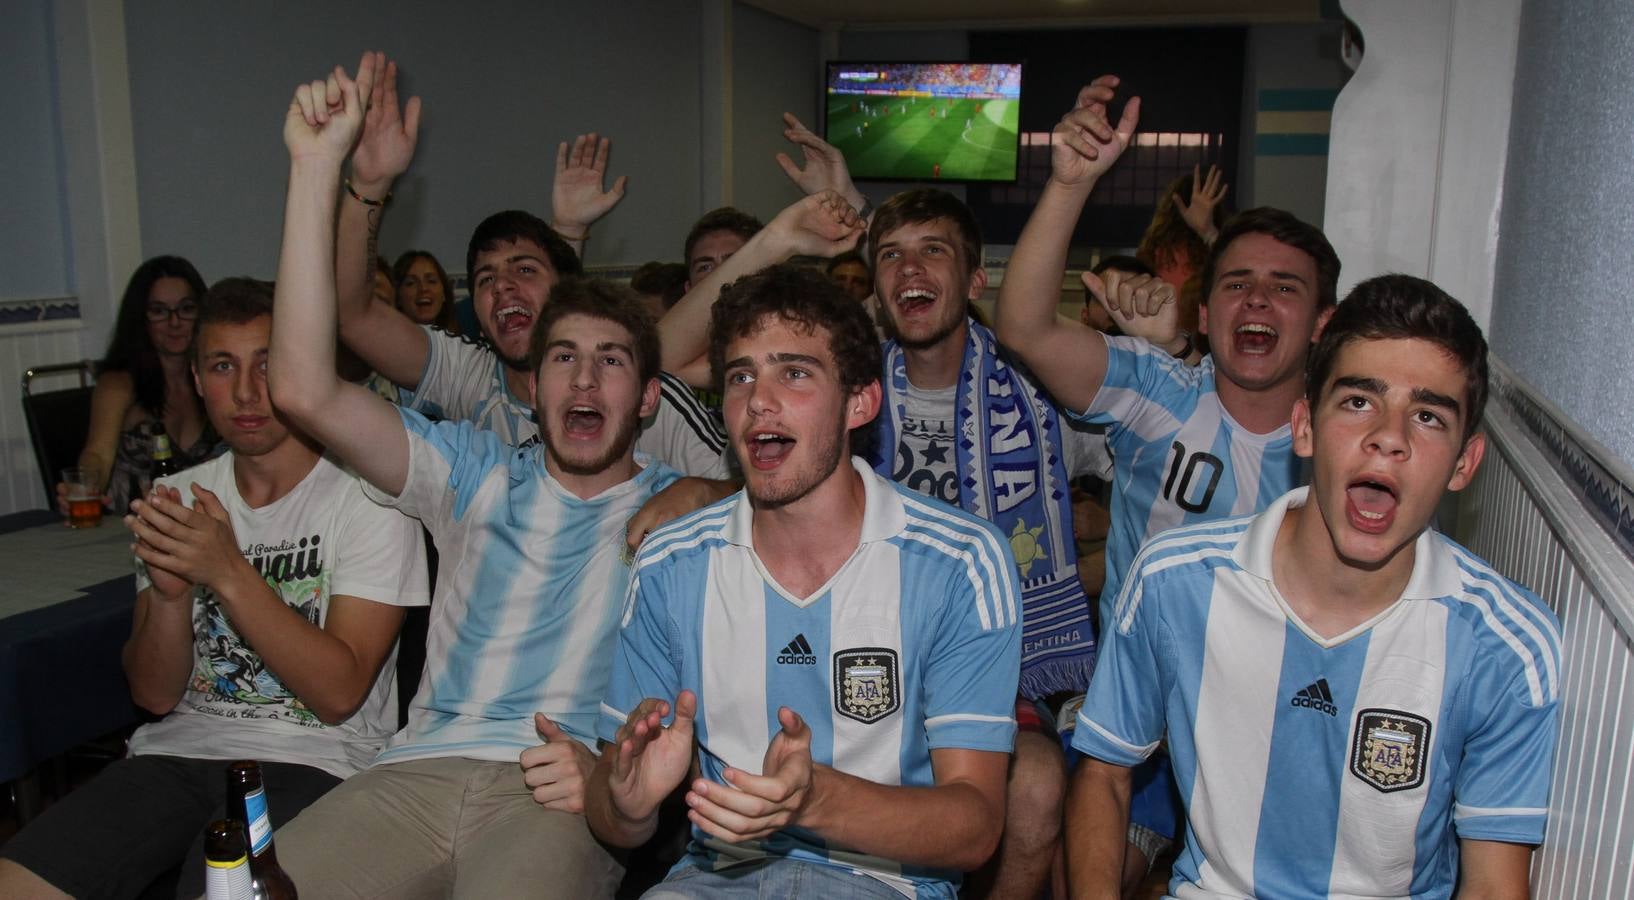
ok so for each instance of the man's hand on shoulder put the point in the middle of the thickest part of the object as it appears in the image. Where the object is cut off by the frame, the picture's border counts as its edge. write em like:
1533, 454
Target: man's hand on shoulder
684, 496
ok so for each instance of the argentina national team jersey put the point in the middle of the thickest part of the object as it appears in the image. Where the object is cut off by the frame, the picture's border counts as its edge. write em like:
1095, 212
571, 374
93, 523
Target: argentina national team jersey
1179, 457
530, 583
464, 379
912, 646
1343, 767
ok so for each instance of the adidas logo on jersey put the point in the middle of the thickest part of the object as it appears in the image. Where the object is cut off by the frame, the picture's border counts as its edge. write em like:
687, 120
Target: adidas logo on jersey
797, 653
1316, 696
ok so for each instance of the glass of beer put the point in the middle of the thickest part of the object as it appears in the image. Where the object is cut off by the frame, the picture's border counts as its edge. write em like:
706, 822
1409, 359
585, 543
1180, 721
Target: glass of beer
84, 498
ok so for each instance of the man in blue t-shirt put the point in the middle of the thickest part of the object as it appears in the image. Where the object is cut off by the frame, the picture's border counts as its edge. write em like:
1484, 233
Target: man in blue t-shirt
482, 793
837, 654
1354, 704
1189, 443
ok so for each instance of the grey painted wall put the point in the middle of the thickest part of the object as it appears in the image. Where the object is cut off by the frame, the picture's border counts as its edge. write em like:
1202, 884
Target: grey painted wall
1561, 301
34, 243
775, 69
210, 82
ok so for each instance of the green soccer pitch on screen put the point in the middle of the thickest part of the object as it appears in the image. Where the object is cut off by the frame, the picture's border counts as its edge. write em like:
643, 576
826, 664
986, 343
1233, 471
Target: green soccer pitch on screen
925, 121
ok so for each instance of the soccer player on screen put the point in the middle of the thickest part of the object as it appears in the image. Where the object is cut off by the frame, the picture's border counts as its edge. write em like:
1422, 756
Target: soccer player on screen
1354, 704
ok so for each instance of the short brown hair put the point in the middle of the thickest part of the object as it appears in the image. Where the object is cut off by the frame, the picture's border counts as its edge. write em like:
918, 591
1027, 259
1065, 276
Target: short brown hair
599, 299
1284, 228
927, 205
234, 301
1400, 306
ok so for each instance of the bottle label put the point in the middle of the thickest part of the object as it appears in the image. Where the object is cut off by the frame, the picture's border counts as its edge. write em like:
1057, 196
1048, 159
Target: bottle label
228, 880
255, 809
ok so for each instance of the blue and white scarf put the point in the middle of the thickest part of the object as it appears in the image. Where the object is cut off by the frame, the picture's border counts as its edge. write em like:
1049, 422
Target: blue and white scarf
1008, 459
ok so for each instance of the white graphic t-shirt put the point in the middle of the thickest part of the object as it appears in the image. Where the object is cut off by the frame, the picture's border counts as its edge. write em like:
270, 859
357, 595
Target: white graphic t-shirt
925, 445
322, 538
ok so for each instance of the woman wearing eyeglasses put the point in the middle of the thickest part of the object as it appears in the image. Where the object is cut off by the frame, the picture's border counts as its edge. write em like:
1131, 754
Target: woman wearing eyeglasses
145, 379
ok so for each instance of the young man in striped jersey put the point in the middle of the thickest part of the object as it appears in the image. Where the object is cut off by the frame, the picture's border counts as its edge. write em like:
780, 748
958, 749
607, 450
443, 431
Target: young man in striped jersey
1189, 443
837, 653
513, 260
1354, 704
529, 590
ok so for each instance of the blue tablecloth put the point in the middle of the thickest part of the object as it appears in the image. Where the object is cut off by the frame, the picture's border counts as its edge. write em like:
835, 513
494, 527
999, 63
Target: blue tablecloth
61, 682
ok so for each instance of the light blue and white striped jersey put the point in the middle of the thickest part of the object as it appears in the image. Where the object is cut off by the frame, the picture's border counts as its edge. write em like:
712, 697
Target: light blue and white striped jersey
1178, 456
1345, 767
913, 645
465, 380
530, 583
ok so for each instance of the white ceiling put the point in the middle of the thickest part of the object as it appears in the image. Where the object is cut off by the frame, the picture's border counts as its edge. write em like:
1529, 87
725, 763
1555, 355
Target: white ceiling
885, 14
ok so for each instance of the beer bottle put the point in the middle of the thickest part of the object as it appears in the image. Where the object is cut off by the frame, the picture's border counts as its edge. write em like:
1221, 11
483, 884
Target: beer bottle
164, 459
226, 863
247, 802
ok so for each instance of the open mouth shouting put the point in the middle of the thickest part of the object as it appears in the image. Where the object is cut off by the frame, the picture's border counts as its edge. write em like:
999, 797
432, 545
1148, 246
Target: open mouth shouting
768, 449
583, 422
915, 301
1370, 504
511, 319
1254, 339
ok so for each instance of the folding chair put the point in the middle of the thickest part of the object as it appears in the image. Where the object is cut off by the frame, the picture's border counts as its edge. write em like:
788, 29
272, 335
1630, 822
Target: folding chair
58, 420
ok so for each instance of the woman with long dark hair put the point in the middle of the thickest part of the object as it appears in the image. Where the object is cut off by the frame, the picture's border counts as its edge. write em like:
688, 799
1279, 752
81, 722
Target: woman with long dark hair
423, 291
146, 379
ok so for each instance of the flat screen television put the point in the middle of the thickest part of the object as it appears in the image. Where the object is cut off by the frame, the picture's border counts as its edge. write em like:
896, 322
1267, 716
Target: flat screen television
925, 121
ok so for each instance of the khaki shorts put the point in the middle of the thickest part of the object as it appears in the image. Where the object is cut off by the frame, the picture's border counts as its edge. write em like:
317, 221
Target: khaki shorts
442, 828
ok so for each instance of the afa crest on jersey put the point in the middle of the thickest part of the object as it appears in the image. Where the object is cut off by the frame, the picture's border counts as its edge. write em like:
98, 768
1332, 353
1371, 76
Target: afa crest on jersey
866, 683
1388, 749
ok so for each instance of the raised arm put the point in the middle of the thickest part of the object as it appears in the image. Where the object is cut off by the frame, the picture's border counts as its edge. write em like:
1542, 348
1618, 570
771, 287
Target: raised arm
577, 200
1066, 355
352, 421
386, 339
1205, 196
823, 168
823, 224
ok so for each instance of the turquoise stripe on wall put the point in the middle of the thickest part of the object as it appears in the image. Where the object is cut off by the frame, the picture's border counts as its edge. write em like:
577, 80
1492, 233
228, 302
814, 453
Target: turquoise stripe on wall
1297, 99
1291, 144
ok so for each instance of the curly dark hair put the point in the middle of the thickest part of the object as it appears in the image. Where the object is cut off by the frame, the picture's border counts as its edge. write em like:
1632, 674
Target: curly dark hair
600, 299
807, 299
516, 224
1401, 306
1285, 228
131, 347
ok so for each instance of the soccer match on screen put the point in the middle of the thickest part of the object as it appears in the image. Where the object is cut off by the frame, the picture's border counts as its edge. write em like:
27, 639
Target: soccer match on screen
949, 121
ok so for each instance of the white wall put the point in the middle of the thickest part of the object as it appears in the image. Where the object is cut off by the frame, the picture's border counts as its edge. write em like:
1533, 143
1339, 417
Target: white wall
1416, 162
